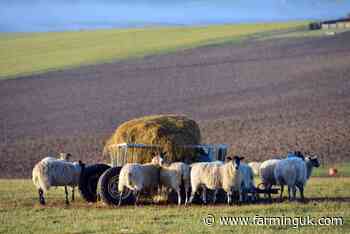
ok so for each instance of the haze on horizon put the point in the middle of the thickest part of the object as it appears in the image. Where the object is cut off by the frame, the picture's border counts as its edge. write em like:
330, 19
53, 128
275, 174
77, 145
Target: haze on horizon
61, 15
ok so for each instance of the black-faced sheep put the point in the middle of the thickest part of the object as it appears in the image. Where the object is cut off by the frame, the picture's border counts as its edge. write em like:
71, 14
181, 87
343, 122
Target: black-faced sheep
294, 172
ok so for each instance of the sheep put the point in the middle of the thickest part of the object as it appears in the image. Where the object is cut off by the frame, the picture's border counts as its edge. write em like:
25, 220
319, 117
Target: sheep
65, 156
55, 172
204, 190
255, 166
215, 176
248, 185
137, 177
174, 175
296, 154
294, 172
267, 175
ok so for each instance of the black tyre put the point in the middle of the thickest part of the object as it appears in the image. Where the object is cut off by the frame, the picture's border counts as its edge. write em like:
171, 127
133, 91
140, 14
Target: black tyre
107, 188
89, 179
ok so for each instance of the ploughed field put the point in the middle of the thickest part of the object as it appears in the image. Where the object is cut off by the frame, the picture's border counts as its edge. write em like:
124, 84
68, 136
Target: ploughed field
262, 98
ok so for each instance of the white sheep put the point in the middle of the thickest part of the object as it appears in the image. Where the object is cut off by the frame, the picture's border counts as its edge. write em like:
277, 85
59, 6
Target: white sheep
248, 185
255, 166
204, 189
294, 172
173, 176
267, 175
138, 177
52, 172
215, 176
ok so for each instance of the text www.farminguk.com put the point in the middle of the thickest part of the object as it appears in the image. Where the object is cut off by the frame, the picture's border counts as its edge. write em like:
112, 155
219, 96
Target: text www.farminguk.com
294, 222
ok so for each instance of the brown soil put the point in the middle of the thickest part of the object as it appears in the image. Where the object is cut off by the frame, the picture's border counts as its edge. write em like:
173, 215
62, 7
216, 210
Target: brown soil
261, 98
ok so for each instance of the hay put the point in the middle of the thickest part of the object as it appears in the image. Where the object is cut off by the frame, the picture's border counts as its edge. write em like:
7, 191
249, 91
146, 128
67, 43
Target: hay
171, 132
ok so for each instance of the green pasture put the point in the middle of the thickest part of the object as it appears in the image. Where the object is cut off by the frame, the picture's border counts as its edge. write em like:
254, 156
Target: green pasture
29, 53
21, 213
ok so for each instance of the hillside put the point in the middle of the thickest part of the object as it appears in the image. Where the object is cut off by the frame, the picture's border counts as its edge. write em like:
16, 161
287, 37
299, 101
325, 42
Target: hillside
28, 53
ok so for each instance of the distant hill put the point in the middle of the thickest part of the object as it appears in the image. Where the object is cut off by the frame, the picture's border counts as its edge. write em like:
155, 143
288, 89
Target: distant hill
59, 15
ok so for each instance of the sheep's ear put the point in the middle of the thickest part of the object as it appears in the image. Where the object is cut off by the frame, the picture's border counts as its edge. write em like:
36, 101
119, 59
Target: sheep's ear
241, 158
228, 158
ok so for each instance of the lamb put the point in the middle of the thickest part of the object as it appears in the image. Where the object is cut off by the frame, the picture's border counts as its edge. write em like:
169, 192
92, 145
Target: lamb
138, 177
51, 172
248, 185
255, 166
267, 175
294, 172
215, 176
174, 175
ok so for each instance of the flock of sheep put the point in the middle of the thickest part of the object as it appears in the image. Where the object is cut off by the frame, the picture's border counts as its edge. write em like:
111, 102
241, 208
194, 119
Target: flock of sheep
232, 176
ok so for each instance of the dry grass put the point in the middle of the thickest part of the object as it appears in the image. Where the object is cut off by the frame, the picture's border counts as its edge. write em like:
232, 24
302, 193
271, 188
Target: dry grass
170, 132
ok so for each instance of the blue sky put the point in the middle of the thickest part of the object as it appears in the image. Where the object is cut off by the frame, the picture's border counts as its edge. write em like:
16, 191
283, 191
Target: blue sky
59, 15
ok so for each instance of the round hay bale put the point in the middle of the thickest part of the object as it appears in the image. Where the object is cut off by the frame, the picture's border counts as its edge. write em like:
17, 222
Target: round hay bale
171, 132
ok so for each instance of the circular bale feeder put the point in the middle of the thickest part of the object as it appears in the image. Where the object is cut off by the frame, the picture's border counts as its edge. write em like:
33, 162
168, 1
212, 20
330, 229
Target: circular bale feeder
136, 141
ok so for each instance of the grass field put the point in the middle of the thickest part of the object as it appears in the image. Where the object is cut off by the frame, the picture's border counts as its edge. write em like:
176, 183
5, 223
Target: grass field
28, 53
21, 213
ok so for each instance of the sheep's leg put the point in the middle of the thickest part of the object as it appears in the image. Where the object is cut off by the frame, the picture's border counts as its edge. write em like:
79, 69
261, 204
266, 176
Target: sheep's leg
178, 196
301, 190
268, 187
136, 194
66, 192
41, 196
241, 197
229, 195
281, 194
215, 194
204, 195
186, 195
120, 198
294, 189
195, 188
269, 194
73, 193
192, 196
289, 193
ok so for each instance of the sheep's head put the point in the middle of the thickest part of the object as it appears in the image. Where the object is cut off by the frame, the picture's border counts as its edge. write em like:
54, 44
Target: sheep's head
236, 161
158, 159
65, 156
299, 154
314, 161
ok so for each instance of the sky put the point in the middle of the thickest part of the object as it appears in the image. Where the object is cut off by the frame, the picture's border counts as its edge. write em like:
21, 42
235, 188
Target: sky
61, 15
